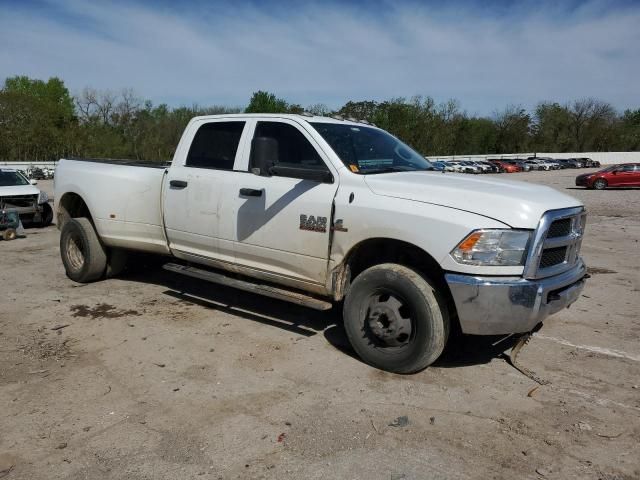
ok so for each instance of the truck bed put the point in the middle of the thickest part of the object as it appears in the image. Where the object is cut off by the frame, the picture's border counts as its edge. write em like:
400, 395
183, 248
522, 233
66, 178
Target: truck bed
125, 162
123, 196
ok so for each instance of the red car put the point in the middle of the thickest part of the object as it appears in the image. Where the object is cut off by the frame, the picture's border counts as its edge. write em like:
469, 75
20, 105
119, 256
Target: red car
623, 175
506, 166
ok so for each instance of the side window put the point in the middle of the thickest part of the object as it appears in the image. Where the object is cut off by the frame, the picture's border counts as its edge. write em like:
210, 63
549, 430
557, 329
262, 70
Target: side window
294, 150
215, 145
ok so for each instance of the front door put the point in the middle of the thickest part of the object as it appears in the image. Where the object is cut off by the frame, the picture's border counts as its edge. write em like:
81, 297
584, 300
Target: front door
283, 223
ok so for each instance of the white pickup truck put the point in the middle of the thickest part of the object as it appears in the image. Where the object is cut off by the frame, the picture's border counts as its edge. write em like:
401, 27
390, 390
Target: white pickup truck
318, 210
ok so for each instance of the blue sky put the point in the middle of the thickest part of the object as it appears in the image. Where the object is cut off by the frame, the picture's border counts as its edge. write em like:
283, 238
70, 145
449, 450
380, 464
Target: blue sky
484, 54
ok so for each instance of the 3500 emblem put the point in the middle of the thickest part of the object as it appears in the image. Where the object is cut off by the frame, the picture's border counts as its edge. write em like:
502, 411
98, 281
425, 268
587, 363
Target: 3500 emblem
313, 223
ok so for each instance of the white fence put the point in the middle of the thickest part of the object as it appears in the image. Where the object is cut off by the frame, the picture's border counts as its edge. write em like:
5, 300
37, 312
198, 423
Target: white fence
25, 165
605, 158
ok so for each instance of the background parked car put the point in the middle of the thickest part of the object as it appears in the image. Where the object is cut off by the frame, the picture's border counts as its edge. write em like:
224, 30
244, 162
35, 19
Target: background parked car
19, 194
624, 175
506, 167
589, 163
522, 164
543, 163
471, 167
570, 163
463, 167
484, 167
439, 166
39, 173
492, 168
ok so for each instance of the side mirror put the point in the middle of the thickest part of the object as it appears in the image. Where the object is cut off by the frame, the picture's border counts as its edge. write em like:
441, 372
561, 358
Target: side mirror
33, 182
320, 176
264, 155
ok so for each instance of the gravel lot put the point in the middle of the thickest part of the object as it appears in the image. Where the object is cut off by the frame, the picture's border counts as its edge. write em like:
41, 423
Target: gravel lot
157, 376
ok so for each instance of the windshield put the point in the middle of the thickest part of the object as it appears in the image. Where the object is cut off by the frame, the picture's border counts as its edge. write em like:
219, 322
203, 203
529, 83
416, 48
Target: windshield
11, 179
370, 150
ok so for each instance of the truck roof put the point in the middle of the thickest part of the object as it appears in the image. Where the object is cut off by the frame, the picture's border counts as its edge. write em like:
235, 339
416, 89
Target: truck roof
292, 116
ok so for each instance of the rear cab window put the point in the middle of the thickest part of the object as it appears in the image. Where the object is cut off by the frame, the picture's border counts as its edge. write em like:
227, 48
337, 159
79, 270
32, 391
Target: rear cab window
215, 145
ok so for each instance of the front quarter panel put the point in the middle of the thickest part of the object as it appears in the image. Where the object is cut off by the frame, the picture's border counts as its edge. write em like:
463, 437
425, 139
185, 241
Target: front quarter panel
363, 215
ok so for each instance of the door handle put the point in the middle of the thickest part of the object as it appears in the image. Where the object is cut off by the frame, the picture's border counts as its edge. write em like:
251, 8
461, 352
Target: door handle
250, 192
178, 184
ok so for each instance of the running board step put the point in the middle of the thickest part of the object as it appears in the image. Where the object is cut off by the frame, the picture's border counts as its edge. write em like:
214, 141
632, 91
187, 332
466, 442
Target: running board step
267, 291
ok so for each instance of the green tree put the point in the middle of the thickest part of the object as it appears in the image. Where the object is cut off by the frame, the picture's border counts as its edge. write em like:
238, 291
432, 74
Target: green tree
365, 110
51, 93
512, 130
37, 119
551, 130
590, 124
265, 102
319, 109
629, 130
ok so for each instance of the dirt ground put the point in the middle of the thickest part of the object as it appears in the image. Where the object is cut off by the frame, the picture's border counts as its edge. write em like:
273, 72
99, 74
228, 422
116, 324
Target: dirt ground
157, 376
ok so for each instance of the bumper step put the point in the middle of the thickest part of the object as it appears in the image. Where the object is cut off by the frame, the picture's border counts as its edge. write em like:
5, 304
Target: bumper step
247, 286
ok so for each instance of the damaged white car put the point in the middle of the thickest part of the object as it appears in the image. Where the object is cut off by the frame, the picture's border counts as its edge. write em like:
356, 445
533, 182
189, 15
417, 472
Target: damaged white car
20, 194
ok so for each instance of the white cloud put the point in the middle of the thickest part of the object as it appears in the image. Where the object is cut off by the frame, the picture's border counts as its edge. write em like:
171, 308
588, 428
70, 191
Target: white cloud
330, 53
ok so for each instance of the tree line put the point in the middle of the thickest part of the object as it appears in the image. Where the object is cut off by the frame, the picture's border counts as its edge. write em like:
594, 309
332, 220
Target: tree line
41, 120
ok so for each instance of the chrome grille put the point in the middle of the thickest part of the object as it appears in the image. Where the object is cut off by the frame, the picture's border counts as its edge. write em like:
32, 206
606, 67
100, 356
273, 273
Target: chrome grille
553, 256
557, 241
560, 228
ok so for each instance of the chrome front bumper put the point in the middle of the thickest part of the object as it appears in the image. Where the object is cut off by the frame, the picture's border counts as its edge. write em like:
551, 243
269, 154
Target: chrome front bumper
503, 305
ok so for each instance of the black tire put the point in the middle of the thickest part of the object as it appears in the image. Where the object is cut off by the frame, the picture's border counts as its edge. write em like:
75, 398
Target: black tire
83, 255
116, 262
46, 217
401, 339
600, 184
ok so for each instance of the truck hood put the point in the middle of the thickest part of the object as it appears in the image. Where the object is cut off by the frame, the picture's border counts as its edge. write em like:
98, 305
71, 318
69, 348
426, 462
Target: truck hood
517, 204
18, 190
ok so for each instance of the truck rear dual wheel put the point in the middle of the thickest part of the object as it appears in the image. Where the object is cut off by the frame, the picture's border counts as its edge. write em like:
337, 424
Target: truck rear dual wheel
116, 262
395, 319
83, 256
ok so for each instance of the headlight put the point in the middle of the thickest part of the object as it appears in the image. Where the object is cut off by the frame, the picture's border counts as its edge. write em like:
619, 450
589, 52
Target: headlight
42, 197
493, 247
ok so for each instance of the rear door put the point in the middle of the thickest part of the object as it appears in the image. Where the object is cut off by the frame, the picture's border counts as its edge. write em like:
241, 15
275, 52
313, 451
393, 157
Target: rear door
199, 193
283, 223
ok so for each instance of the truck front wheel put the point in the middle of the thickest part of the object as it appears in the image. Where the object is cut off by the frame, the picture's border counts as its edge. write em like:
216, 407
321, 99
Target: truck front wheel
82, 253
395, 319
